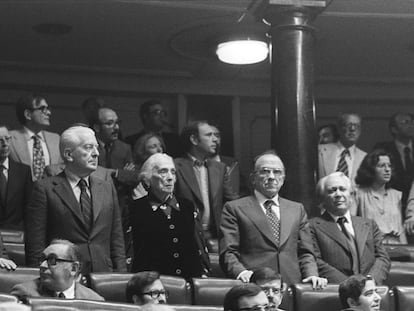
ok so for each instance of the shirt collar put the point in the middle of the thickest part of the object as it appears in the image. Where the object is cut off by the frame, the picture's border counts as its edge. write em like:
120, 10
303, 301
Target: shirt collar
170, 201
69, 292
400, 146
74, 179
262, 199
347, 215
29, 134
342, 148
6, 163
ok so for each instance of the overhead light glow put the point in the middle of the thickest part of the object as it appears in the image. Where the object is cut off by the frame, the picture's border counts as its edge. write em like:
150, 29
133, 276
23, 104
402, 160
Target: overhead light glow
242, 52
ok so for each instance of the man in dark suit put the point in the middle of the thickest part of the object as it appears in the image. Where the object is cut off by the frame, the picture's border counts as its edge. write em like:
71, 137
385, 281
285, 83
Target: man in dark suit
265, 230
401, 127
153, 115
60, 265
78, 207
32, 144
202, 180
346, 245
15, 185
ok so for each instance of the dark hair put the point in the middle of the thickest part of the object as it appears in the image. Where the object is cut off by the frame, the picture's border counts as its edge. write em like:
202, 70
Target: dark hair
366, 171
138, 282
392, 121
144, 110
332, 127
352, 287
90, 106
190, 129
27, 102
231, 300
139, 152
265, 274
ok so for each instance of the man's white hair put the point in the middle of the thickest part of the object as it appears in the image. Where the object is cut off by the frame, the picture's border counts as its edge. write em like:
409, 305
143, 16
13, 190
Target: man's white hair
71, 137
152, 162
321, 185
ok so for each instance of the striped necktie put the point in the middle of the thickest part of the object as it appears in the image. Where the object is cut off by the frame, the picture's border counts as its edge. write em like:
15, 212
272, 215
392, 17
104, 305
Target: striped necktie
85, 203
342, 165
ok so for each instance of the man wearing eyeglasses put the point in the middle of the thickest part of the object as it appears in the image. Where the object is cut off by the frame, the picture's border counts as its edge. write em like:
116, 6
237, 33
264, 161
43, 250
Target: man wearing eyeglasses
271, 283
15, 185
32, 144
359, 293
266, 230
145, 287
59, 267
343, 155
153, 116
247, 297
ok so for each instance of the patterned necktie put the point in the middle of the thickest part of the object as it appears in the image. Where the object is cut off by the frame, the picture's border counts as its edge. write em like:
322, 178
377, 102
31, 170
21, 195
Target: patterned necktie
39, 162
407, 159
342, 165
3, 186
85, 203
273, 220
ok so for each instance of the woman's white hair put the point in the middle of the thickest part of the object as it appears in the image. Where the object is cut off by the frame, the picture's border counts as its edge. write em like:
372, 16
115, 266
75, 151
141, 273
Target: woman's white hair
152, 162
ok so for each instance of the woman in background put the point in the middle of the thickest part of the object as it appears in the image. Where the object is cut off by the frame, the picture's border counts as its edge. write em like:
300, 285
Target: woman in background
376, 200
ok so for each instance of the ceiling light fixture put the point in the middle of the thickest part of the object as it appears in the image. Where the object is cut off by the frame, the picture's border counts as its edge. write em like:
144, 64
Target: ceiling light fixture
242, 52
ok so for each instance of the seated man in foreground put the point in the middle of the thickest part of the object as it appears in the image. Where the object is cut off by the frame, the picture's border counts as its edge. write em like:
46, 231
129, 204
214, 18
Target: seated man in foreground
271, 283
246, 297
146, 288
358, 293
346, 245
60, 265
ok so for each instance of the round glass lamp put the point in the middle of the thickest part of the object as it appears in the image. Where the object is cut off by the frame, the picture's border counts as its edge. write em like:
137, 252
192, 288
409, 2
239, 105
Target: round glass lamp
242, 52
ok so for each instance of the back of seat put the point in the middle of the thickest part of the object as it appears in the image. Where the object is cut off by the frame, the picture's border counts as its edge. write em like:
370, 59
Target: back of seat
42, 303
211, 291
404, 298
112, 287
10, 278
401, 274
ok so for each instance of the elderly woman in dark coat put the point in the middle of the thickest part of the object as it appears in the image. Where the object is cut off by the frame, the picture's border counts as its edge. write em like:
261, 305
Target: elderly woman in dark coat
167, 236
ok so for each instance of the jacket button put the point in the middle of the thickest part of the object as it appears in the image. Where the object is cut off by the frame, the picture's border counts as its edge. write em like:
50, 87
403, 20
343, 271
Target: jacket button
172, 227
175, 240
176, 255
178, 271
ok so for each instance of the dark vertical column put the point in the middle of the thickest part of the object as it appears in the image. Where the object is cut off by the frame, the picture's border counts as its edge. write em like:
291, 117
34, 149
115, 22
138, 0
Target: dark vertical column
292, 103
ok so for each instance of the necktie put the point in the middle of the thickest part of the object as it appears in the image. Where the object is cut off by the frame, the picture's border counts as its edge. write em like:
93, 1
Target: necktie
342, 165
38, 158
85, 203
200, 163
108, 150
407, 159
62, 295
273, 220
3, 186
201, 174
352, 245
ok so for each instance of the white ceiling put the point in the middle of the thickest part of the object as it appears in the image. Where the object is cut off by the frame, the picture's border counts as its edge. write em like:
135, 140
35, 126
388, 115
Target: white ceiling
358, 41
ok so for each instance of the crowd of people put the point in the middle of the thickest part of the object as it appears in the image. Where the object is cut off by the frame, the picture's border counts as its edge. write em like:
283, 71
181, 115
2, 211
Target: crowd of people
158, 203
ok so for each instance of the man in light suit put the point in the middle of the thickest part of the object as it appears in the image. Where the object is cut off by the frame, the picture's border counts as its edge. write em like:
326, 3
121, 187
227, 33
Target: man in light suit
33, 114
346, 245
60, 265
329, 155
78, 207
202, 180
265, 230
15, 185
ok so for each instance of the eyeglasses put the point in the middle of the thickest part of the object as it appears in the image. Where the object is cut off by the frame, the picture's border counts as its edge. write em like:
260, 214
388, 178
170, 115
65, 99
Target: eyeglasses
266, 172
350, 126
158, 112
52, 259
272, 290
112, 123
42, 109
266, 307
5, 139
156, 293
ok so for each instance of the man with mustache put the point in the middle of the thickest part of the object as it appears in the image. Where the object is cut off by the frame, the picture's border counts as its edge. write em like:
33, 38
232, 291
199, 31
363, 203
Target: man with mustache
266, 230
346, 245
59, 265
343, 156
201, 180
77, 206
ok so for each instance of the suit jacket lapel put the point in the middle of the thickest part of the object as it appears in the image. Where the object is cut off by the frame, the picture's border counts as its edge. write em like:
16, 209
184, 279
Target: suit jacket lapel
361, 229
254, 211
20, 144
189, 177
97, 196
286, 221
12, 181
213, 179
327, 225
64, 191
